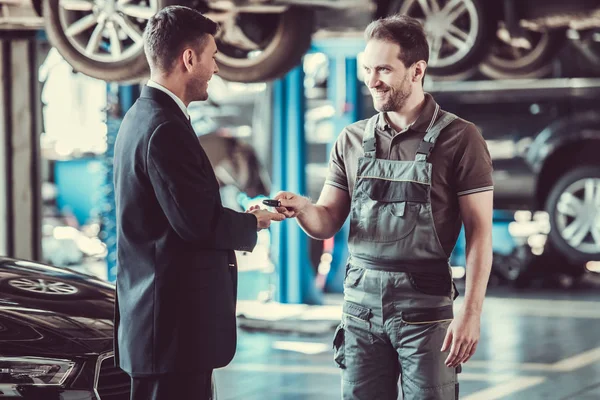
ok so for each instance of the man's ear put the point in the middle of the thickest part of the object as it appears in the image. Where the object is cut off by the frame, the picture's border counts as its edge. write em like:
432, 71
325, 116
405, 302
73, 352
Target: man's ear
419, 71
188, 59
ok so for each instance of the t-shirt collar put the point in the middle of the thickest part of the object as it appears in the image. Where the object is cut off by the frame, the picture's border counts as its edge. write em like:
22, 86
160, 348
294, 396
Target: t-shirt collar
421, 124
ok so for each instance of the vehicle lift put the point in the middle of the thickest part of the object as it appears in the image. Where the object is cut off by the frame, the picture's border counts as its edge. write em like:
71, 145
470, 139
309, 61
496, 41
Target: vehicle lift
20, 126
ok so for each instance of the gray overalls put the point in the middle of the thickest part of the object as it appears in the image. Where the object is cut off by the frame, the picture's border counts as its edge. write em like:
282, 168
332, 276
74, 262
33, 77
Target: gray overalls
398, 290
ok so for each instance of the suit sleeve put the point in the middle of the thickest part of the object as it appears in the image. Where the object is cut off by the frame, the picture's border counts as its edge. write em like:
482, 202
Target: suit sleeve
184, 185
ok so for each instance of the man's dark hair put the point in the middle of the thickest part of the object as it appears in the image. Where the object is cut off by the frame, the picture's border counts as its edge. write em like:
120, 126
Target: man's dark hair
406, 32
170, 30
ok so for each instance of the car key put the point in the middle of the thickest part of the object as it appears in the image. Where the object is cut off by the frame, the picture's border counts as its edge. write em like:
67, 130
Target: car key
272, 203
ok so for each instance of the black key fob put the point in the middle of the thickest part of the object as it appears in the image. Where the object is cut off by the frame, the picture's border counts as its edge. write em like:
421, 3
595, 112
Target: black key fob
272, 203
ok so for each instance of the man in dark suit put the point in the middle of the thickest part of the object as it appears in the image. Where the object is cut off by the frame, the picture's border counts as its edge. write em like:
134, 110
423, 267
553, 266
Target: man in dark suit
177, 278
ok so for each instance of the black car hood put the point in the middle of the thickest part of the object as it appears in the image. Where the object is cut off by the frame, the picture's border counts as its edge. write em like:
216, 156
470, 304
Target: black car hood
47, 311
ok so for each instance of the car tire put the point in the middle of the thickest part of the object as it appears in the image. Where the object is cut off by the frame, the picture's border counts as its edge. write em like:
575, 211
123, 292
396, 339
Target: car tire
507, 62
129, 66
284, 39
477, 18
574, 213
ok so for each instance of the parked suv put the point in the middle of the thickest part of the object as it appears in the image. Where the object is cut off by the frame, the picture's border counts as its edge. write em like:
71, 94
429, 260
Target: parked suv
544, 139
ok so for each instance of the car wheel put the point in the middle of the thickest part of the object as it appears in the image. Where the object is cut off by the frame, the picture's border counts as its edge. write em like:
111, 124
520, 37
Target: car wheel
458, 31
102, 39
261, 47
44, 287
527, 59
573, 205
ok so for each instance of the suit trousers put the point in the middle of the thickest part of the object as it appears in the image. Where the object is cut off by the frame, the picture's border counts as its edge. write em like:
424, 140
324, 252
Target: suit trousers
188, 386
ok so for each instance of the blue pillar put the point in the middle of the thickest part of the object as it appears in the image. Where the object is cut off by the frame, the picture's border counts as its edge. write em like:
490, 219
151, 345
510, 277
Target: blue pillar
290, 244
344, 92
348, 105
120, 99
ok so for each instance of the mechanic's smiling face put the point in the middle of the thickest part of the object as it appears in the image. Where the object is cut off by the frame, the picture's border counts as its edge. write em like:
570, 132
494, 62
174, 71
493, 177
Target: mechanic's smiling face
386, 76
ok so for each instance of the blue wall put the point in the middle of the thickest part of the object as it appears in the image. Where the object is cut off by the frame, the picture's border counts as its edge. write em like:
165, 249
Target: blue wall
79, 183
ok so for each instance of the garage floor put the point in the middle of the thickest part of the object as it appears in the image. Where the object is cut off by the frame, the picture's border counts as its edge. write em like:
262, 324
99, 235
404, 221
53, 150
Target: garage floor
542, 343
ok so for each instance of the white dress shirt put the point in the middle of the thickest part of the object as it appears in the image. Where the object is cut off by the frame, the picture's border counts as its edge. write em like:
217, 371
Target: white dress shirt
177, 100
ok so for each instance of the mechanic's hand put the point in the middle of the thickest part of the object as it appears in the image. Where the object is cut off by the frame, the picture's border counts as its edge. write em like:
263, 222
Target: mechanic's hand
462, 338
264, 217
291, 204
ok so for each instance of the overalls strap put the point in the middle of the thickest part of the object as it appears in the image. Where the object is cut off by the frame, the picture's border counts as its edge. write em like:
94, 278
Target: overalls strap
426, 146
369, 137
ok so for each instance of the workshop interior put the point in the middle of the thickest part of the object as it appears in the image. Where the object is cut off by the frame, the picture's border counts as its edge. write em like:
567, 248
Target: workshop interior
525, 72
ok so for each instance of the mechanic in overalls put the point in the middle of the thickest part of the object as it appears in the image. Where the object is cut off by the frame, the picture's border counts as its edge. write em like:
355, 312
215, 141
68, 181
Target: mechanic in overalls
407, 177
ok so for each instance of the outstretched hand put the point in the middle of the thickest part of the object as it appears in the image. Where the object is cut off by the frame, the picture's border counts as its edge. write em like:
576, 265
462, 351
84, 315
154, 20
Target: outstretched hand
264, 217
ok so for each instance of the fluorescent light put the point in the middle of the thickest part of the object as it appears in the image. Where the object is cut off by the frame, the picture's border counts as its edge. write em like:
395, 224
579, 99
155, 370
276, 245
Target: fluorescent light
302, 347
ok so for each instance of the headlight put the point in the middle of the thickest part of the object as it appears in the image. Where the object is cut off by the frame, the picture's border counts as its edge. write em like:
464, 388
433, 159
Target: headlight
26, 371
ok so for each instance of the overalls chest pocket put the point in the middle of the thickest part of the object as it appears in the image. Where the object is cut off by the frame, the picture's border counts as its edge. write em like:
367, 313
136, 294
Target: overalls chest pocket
389, 211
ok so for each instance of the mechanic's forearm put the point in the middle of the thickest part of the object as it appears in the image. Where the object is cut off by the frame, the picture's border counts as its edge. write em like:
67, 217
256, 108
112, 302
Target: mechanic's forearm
479, 265
318, 222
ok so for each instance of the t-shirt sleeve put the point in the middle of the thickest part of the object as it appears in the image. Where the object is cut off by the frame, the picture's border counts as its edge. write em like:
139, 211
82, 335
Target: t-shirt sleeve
473, 163
336, 175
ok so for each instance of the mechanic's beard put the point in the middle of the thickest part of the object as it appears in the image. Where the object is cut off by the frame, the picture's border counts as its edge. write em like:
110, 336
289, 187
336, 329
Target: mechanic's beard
397, 96
397, 99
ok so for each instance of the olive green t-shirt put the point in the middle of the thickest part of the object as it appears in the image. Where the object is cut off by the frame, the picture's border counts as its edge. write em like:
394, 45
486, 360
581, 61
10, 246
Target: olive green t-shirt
461, 163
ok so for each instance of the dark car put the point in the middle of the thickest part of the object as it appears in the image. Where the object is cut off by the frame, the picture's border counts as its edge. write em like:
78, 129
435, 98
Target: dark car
544, 139
56, 335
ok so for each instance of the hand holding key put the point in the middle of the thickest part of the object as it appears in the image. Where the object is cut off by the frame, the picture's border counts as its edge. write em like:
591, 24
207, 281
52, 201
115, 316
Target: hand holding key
290, 204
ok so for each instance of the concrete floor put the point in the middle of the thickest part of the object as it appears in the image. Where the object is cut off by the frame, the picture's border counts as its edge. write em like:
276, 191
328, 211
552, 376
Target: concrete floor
542, 343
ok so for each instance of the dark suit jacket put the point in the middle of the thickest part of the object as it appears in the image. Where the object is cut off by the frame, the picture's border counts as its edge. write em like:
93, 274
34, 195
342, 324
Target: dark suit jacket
177, 277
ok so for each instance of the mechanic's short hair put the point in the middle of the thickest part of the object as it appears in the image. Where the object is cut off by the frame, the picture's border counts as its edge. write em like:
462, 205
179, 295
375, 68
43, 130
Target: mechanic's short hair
172, 29
406, 32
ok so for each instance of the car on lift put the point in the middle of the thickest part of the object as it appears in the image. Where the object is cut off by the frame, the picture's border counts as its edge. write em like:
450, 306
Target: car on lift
503, 39
56, 335
260, 40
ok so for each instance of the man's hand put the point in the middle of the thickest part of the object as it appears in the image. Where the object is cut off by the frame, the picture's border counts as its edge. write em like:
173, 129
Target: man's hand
462, 338
264, 217
291, 204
